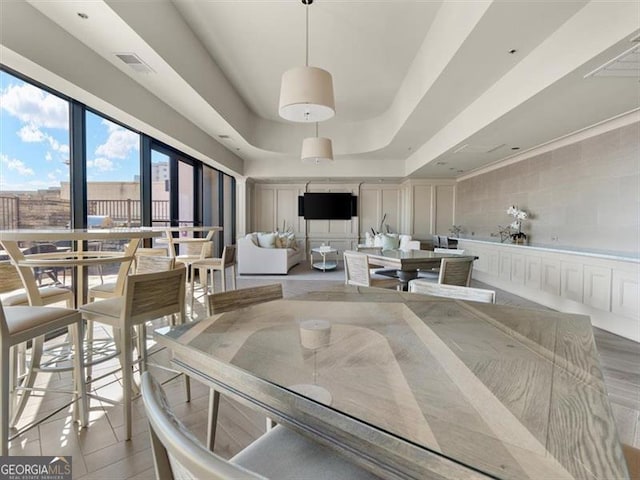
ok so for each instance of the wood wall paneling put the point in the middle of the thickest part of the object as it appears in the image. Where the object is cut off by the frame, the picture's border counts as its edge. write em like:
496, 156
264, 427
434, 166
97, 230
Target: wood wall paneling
422, 211
626, 297
607, 289
550, 270
533, 272
571, 281
444, 208
517, 268
493, 259
505, 266
597, 287
265, 209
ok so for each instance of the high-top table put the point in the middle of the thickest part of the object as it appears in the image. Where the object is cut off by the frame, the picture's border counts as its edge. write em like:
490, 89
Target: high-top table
78, 258
413, 386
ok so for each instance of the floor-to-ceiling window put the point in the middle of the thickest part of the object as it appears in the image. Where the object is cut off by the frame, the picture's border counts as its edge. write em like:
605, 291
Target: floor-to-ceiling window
63, 164
113, 173
34, 156
160, 189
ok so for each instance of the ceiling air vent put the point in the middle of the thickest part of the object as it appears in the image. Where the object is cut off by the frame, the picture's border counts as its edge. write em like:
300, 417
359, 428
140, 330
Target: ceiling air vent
497, 147
627, 64
134, 62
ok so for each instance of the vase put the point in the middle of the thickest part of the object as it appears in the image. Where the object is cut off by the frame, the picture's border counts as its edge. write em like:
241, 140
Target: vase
520, 241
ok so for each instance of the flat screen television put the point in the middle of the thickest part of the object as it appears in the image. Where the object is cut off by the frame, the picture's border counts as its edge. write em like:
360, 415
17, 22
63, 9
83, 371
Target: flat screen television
327, 206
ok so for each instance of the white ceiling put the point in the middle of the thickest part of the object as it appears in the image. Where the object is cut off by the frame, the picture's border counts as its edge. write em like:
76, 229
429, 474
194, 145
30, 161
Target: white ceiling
415, 80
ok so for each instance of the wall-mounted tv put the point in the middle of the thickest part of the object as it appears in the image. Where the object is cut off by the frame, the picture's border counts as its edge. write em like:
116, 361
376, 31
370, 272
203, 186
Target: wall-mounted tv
328, 206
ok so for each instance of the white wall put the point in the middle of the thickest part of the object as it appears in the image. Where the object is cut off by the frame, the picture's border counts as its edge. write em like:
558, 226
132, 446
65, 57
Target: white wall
584, 194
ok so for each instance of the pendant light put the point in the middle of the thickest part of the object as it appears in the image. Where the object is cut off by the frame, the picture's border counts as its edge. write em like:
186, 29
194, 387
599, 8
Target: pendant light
317, 150
306, 93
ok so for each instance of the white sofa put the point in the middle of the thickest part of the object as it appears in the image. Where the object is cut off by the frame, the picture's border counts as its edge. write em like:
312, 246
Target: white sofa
253, 259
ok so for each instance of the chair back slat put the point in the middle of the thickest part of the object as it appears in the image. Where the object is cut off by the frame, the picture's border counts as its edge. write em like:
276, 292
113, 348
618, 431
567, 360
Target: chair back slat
456, 271
152, 295
356, 269
229, 255
244, 297
153, 263
9, 278
452, 251
177, 454
372, 250
452, 291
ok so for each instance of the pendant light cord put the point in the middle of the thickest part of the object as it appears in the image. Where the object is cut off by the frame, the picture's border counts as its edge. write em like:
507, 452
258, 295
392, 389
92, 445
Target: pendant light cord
306, 60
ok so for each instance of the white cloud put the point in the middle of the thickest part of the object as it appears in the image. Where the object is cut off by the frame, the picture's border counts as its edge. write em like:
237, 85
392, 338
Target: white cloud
35, 106
15, 165
48, 157
101, 164
120, 143
30, 134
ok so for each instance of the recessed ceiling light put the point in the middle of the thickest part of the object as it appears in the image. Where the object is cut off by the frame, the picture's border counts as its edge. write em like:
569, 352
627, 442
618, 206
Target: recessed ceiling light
515, 148
83, 15
512, 51
238, 149
441, 163
409, 148
451, 168
460, 171
223, 136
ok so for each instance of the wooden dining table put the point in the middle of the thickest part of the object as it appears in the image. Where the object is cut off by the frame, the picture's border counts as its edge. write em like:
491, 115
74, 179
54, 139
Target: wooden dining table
413, 386
411, 260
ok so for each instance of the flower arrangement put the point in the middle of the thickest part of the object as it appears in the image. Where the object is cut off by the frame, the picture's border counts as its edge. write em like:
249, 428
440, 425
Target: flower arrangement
455, 230
518, 216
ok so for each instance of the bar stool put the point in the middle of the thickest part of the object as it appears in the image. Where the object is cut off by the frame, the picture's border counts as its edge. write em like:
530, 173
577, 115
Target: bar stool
227, 261
147, 296
20, 324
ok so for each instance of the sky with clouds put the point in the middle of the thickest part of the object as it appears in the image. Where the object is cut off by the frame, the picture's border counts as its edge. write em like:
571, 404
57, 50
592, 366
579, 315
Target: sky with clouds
34, 141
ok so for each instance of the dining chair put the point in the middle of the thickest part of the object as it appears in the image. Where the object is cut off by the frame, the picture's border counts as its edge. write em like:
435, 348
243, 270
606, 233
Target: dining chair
227, 261
14, 279
356, 270
443, 241
451, 251
279, 454
154, 263
436, 241
225, 302
456, 271
243, 297
147, 296
19, 325
149, 252
452, 291
632, 456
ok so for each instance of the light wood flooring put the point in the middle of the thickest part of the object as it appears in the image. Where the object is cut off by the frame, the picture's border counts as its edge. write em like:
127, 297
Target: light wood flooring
99, 452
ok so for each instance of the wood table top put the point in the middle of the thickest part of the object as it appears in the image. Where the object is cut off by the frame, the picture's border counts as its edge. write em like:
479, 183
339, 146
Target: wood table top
417, 384
53, 235
408, 259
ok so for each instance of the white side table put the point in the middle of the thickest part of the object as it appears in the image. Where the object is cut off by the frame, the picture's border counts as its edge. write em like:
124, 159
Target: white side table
325, 264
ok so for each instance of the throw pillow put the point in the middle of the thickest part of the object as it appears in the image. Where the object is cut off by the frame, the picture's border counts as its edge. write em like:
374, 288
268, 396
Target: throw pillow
253, 237
404, 242
390, 241
267, 240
